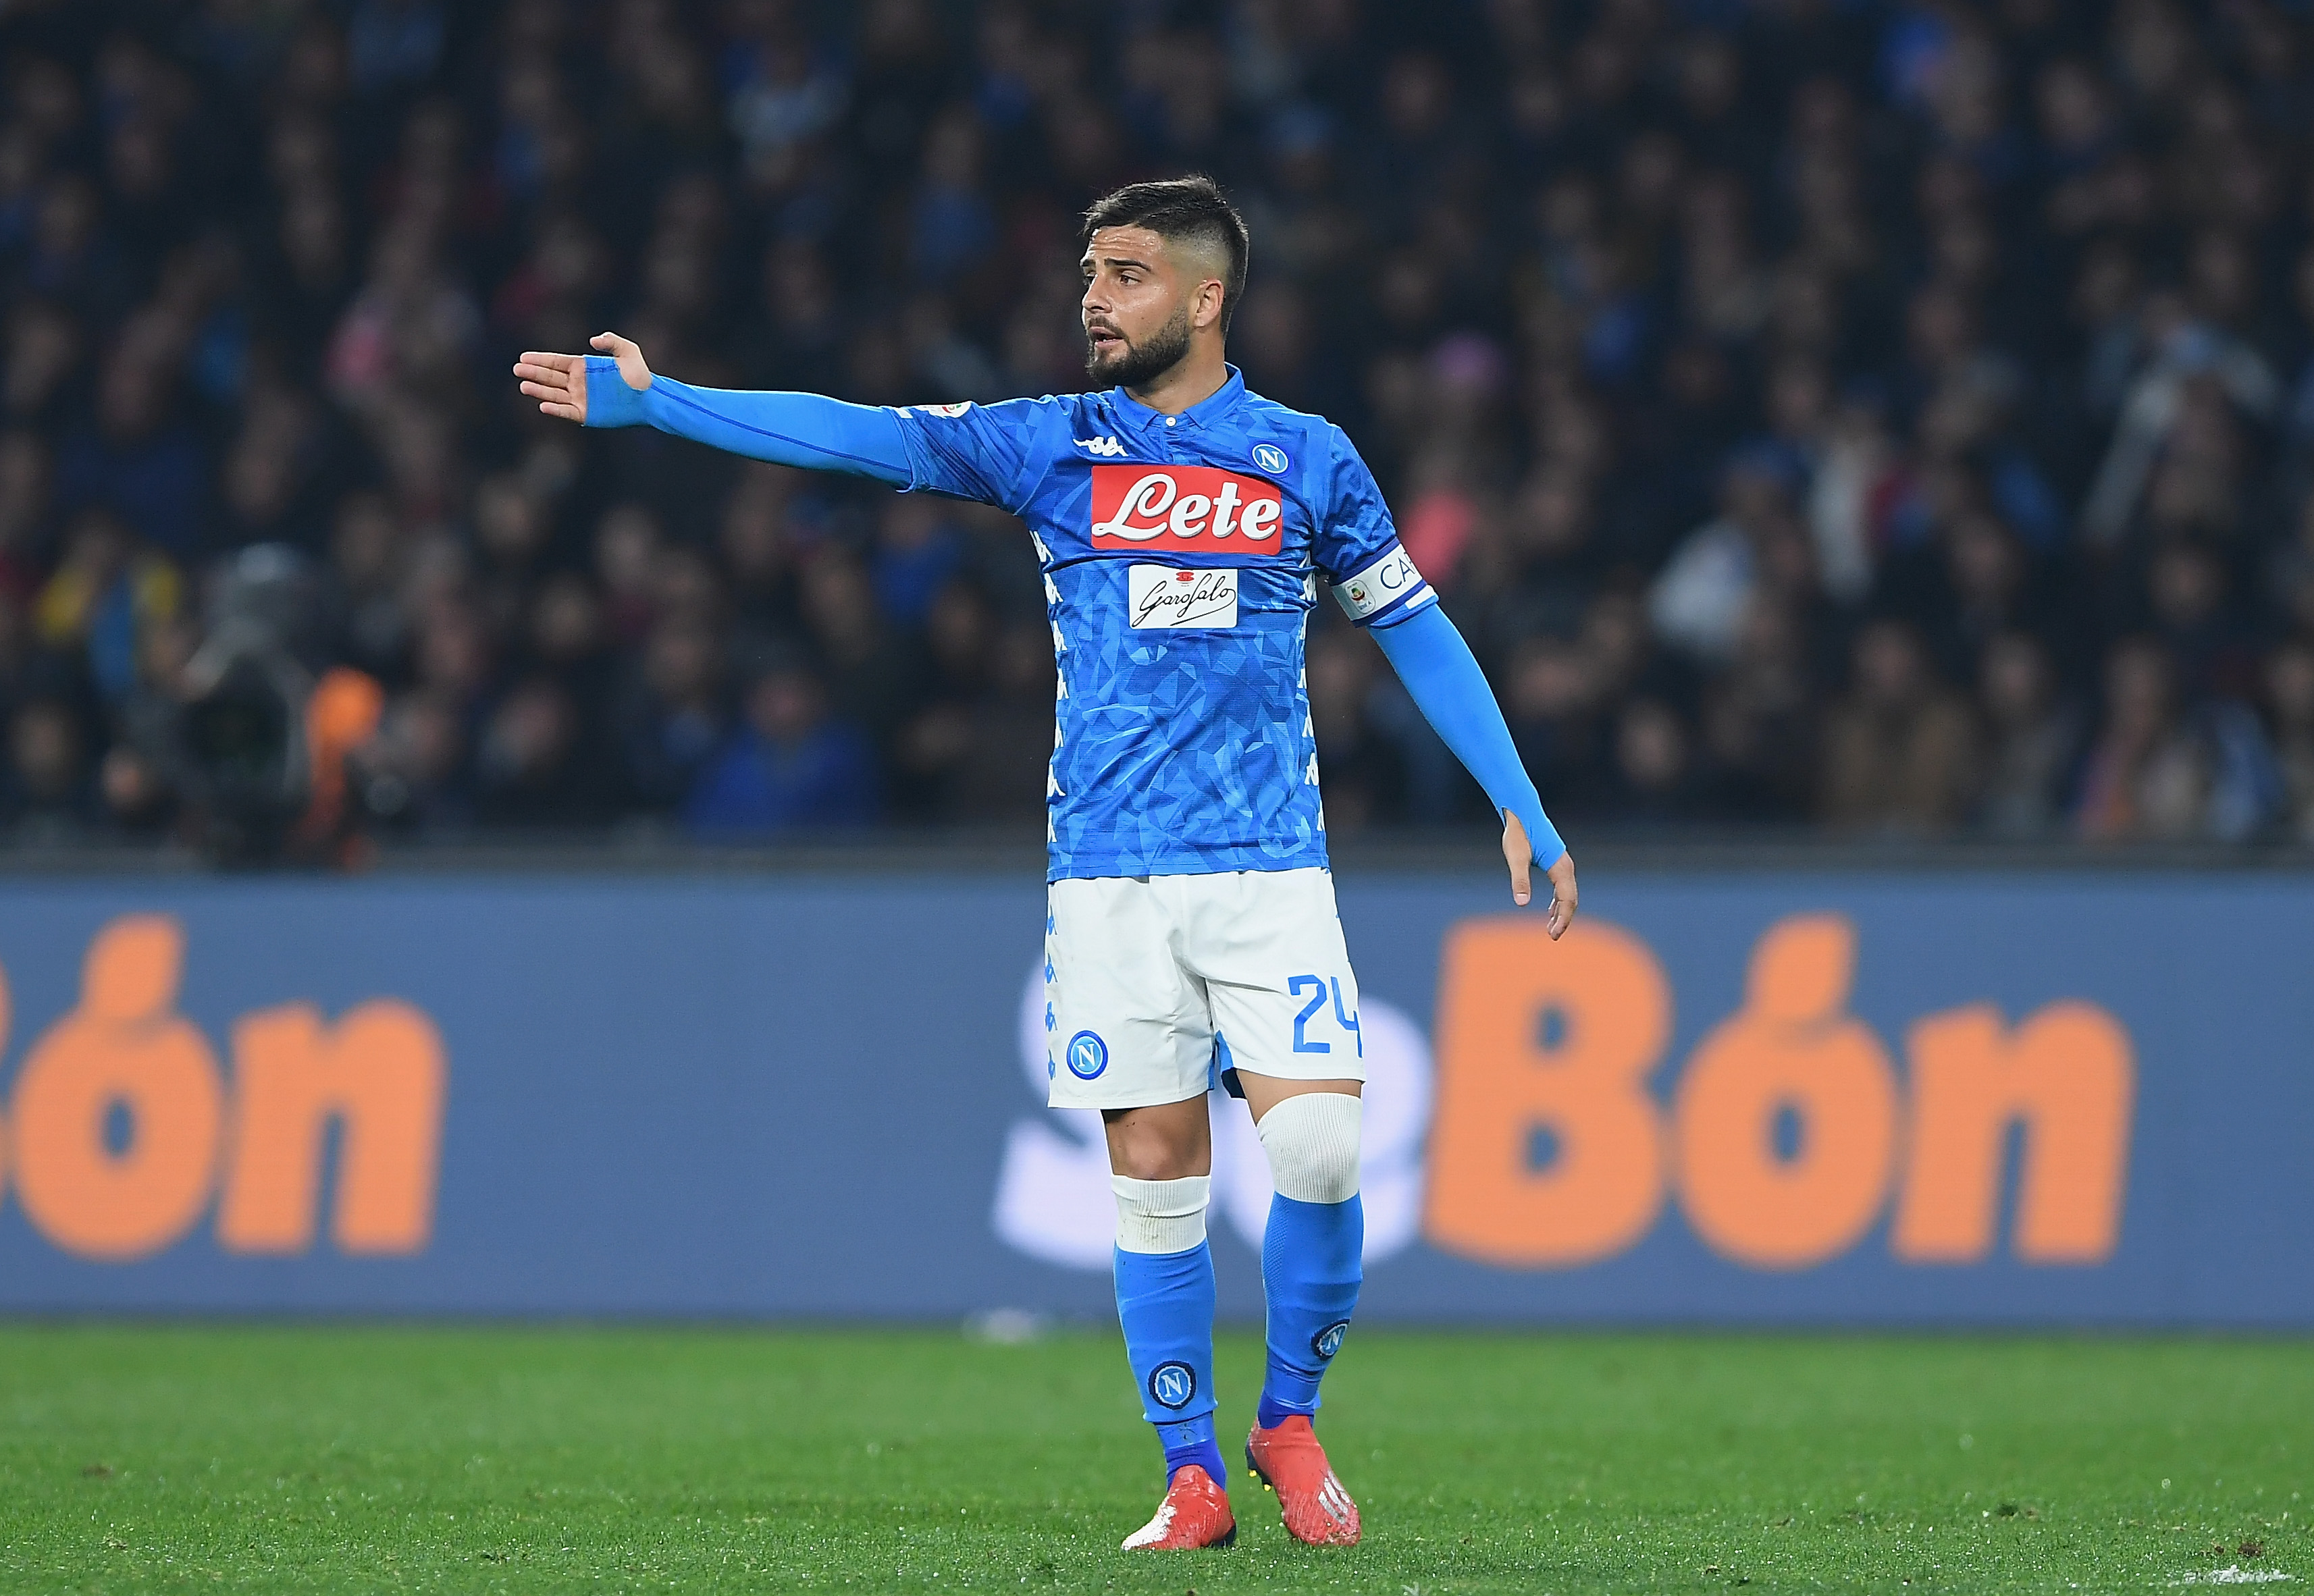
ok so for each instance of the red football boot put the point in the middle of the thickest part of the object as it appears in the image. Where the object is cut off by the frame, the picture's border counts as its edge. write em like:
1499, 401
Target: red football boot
1289, 1461
1194, 1513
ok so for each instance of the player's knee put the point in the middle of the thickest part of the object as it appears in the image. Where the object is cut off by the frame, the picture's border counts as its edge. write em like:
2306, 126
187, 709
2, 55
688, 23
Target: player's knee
1160, 1216
1313, 1142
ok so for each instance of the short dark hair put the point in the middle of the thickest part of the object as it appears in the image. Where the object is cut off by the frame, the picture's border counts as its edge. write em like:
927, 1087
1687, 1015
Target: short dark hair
1192, 209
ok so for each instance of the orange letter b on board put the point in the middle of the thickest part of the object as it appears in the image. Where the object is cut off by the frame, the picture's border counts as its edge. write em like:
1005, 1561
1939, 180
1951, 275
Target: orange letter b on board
380, 1071
2067, 1074
123, 1047
1556, 1039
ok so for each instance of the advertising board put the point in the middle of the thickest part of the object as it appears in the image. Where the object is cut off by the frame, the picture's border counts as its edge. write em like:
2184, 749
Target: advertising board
1772, 1097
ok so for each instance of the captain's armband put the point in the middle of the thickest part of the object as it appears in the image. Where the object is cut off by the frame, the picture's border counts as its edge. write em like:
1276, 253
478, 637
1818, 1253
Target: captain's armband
1388, 582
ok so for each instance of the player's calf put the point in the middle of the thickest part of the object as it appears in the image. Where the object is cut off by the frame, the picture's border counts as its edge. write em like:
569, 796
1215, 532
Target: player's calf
1312, 1248
1165, 1304
1311, 1271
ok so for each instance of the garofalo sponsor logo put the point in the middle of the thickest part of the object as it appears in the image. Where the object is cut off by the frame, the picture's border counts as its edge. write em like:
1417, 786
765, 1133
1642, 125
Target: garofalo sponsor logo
1160, 596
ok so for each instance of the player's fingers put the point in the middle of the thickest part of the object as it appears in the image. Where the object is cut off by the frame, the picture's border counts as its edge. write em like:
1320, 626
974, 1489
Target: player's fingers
1561, 916
532, 371
1521, 878
547, 360
564, 412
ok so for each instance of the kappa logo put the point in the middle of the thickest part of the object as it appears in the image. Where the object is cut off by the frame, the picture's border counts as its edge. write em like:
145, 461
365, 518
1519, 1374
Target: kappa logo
1133, 506
1088, 1055
1326, 1342
1172, 1386
1108, 448
1271, 459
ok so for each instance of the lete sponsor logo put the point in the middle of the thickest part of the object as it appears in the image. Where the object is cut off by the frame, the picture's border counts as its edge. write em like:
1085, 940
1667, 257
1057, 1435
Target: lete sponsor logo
1184, 506
122, 1128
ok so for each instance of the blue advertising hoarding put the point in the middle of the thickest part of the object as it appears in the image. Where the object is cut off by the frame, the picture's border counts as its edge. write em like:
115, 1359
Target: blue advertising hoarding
1774, 1097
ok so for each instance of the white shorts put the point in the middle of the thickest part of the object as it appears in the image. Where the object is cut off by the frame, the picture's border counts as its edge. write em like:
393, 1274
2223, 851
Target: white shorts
1156, 985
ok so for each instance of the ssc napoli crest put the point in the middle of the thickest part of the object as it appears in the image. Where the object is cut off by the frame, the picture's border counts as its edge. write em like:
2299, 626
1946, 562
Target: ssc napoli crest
1088, 1055
1172, 1385
1271, 459
1326, 1342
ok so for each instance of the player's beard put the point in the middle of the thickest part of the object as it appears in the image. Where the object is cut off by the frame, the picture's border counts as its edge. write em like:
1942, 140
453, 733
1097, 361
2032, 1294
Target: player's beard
1142, 364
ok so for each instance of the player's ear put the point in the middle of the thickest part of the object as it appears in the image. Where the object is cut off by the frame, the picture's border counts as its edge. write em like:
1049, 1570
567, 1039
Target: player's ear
1206, 309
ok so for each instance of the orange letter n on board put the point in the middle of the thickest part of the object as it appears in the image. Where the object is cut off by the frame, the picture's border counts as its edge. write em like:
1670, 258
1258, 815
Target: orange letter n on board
1542, 1039
380, 1072
2068, 1076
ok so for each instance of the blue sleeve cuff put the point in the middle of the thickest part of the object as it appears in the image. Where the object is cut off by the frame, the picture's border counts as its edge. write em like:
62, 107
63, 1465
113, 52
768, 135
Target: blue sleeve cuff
610, 402
1448, 687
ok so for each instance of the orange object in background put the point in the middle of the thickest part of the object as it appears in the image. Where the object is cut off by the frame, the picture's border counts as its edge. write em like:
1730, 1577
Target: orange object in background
2066, 1076
342, 714
1791, 1049
123, 1046
1550, 1038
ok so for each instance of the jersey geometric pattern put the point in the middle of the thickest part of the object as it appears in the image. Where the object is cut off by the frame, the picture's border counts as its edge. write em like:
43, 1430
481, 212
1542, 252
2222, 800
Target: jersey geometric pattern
1178, 750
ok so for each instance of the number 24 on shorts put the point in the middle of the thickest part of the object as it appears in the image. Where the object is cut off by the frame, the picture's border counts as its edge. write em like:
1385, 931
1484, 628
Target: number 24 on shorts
1346, 1020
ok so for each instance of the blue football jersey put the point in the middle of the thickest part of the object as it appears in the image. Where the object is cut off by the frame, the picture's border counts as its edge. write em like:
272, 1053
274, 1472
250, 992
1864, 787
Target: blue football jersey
1180, 556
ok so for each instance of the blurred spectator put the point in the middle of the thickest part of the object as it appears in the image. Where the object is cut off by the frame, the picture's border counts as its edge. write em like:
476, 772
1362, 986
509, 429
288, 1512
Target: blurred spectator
1361, 768
2032, 740
527, 770
103, 596
1701, 597
790, 766
2160, 770
47, 786
1655, 766
1899, 749
670, 715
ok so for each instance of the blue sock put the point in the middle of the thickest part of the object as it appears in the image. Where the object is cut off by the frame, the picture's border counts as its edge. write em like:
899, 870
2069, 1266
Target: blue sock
1192, 1440
1311, 1271
1165, 1302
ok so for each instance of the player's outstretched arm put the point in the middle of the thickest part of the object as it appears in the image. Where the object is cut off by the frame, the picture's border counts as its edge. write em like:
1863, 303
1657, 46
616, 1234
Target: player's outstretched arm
1447, 685
617, 388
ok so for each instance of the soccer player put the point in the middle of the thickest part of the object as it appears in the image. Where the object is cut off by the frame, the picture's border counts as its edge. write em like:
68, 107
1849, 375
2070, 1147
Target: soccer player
1182, 524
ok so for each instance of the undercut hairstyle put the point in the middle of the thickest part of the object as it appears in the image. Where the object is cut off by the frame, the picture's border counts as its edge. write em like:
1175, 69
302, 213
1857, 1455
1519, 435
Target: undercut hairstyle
1190, 210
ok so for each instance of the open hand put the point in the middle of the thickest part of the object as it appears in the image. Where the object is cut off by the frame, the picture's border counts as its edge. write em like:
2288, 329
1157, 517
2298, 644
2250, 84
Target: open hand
559, 382
1519, 855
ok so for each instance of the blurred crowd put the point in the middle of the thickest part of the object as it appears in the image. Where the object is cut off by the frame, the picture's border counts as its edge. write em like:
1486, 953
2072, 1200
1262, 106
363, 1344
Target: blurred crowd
1875, 415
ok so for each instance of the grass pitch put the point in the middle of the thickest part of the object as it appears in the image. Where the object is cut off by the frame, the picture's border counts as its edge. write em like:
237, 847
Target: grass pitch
338, 1459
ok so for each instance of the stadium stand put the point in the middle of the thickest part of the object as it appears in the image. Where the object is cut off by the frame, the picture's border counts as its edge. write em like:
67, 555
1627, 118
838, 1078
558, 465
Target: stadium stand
1892, 419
